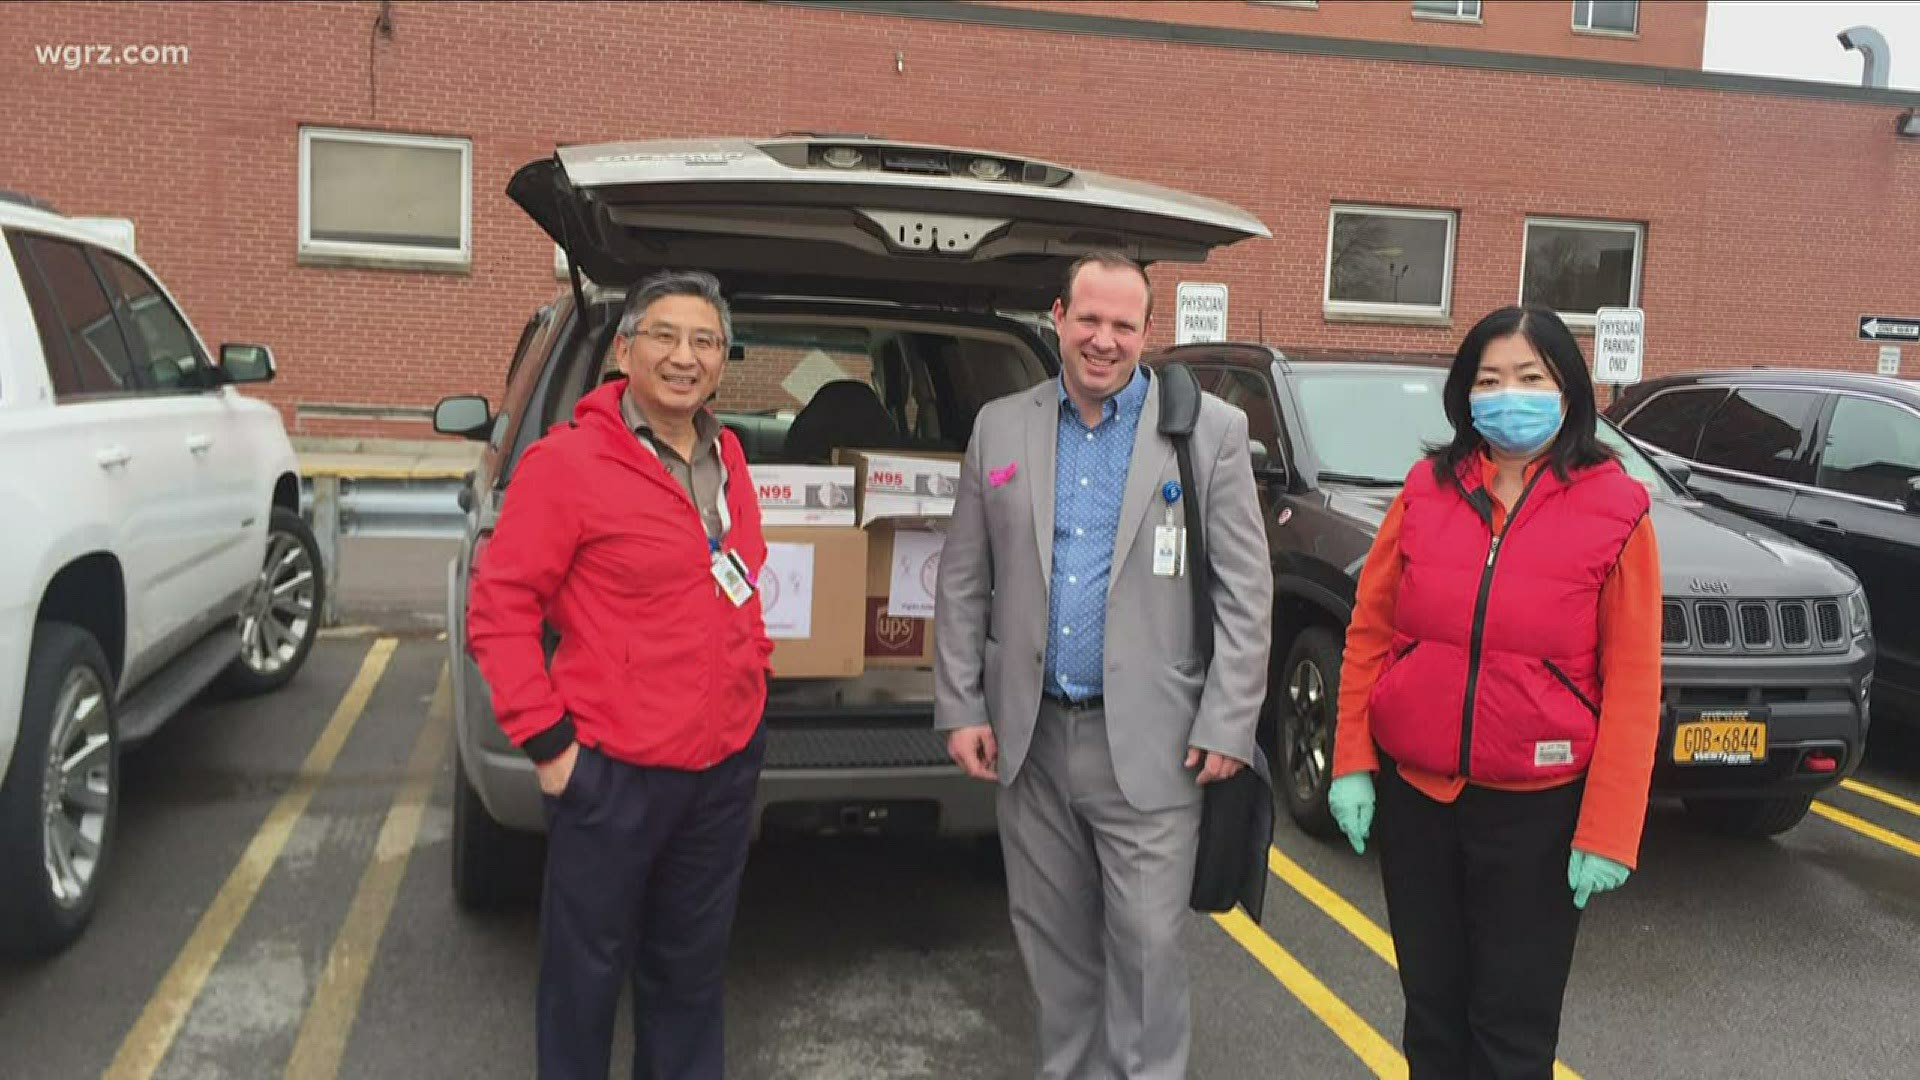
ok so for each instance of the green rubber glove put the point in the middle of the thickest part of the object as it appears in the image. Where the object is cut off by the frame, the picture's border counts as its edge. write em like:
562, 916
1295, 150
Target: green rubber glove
1350, 797
1590, 874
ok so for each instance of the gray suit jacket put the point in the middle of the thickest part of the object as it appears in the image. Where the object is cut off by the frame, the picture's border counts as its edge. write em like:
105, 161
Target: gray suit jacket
990, 613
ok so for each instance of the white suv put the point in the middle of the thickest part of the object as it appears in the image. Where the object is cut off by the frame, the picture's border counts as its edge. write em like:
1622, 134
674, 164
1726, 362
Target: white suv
153, 545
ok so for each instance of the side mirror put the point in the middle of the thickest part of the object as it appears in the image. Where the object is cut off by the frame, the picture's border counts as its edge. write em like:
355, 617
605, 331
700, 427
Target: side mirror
1264, 470
1912, 501
246, 363
465, 415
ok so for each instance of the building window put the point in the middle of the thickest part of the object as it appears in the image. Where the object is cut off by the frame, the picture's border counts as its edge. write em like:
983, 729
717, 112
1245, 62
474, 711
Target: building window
374, 198
1607, 16
1389, 261
1447, 9
1578, 267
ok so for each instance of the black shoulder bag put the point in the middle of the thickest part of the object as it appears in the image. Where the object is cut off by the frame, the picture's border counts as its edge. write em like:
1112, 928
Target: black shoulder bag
1236, 819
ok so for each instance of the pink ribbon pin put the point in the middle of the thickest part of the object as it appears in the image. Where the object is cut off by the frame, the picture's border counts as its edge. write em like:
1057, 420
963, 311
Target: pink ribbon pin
999, 477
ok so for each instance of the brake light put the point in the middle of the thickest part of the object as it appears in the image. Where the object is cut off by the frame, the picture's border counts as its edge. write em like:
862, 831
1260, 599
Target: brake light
1819, 761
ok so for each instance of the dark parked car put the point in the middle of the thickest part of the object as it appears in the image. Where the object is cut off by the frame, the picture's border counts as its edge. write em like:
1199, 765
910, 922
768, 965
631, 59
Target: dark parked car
1758, 629
1829, 458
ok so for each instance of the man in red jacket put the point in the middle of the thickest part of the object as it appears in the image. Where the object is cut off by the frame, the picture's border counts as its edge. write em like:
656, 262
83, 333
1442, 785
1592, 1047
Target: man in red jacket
634, 532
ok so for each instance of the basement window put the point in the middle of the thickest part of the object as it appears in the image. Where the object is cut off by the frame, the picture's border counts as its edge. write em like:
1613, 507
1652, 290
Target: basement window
1389, 261
379, 199
1578, 267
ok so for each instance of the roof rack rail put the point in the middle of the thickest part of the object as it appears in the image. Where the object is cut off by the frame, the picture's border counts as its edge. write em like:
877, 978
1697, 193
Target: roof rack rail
21, 198
830, 135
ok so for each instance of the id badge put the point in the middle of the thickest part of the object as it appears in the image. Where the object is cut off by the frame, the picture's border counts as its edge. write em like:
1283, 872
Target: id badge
1166, 550
732, 577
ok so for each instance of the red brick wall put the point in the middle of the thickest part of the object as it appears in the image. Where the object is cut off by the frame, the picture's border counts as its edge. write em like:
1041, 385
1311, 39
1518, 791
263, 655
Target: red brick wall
1673, 33
1772, 221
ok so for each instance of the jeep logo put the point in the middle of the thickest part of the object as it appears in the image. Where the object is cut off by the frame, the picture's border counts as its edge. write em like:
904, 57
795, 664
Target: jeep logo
1716, 586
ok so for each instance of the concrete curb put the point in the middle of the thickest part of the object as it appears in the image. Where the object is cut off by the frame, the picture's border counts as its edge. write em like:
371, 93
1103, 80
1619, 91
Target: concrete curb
383, 467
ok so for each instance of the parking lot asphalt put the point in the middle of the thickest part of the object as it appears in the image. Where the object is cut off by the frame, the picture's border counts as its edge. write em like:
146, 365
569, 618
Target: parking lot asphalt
280, 904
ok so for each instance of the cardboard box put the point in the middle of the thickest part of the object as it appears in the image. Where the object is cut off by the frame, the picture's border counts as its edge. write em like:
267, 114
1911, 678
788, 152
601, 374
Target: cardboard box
812, 596
889, 484
805, 494
897, 635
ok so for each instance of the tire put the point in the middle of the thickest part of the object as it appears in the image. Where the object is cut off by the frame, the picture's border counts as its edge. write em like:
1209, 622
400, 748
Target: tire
1751, 817
494, 868
276, 632
69, 699
1304, 695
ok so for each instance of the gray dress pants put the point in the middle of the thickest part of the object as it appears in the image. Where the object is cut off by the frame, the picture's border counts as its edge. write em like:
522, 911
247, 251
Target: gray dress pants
1098, 894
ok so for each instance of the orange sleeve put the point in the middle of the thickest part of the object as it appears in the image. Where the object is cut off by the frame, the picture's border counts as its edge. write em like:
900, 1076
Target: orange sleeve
1614, 807
1369, 637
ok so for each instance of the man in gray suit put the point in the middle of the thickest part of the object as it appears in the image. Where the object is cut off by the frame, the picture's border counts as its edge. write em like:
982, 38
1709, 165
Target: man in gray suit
1069, 669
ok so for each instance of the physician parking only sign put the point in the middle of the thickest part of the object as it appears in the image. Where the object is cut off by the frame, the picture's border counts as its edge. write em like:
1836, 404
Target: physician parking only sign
1619, 344
1200, 312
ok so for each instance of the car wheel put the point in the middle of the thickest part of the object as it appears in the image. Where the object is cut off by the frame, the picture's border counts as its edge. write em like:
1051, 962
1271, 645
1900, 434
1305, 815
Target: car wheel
1751, 817
281, 616
494, 868
1307, 702
59, 798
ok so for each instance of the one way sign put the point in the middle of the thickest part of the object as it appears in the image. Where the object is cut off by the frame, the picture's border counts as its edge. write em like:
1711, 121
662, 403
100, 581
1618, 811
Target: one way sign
1888, 328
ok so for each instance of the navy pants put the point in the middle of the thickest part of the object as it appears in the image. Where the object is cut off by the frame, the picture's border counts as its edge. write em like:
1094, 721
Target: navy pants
643, 870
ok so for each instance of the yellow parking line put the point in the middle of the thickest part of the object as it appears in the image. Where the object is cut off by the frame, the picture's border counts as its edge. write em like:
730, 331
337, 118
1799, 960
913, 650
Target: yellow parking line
146, 1045
1335, 905
1867, 829
1360, 1037
1887, 797
336, 1000
1368, 932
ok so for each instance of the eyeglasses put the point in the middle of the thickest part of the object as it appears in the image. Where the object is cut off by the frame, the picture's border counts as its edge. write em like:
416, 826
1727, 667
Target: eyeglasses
665, 339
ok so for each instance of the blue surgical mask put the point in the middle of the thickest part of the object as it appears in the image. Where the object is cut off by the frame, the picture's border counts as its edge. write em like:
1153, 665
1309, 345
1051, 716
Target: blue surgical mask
1517, 422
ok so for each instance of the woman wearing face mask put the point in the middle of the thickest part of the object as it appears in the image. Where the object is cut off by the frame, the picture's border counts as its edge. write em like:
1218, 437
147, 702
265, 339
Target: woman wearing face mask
1500, 699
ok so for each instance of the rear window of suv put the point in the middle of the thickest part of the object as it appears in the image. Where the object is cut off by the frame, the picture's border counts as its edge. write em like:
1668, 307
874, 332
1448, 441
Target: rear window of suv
797, 388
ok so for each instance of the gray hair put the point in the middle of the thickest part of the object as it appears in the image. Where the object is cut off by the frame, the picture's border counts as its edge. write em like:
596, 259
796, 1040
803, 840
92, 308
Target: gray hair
697, 283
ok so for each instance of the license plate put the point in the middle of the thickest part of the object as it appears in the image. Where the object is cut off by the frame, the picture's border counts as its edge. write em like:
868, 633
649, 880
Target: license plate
1720, 737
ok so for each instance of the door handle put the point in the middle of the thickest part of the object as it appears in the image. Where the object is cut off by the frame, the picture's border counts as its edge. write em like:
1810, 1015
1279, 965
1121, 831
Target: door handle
1827, 525
112, 456
199, 444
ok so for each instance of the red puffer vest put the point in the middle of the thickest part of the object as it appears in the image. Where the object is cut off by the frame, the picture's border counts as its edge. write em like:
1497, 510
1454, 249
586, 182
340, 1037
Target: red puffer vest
1494, 673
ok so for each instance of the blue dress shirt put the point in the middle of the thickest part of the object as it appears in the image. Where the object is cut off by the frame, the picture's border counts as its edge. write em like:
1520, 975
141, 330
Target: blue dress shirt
1089, 482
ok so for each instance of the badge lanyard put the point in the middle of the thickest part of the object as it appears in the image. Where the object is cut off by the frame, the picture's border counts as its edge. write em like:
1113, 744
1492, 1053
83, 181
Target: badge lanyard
1170, 540
729, 569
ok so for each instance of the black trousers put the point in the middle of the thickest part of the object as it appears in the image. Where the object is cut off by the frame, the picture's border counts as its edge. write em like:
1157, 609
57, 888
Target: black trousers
1483, 922
643, 871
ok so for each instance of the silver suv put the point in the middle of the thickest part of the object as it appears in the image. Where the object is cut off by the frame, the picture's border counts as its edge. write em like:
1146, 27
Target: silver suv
882, 293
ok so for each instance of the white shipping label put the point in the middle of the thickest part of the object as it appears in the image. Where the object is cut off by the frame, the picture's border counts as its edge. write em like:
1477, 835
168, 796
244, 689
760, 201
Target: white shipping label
786, 591
915, 573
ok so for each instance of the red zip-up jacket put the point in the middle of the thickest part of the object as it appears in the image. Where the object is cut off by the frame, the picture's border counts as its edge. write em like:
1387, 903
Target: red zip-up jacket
655, 665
